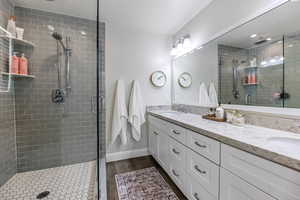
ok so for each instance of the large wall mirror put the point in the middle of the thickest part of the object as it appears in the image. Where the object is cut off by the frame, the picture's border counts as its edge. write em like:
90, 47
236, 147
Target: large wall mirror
255, 64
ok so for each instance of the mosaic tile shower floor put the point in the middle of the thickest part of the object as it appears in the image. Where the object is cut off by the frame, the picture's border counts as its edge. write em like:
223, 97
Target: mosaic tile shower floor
71, 182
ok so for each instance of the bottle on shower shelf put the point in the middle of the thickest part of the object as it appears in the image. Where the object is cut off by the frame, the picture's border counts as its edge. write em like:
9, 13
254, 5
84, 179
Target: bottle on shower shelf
14, 69
11, 26
23, 67
253, 78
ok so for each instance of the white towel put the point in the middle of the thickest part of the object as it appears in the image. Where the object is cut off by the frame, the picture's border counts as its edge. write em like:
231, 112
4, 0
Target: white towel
136, 111
120, 114
203, 96
213, 95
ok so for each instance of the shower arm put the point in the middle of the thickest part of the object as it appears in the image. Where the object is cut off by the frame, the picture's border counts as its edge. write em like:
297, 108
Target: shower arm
68, 53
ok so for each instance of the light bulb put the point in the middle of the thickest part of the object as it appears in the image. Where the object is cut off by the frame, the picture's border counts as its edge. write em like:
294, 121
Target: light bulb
263, 63
174, 51
180, 49
187, 44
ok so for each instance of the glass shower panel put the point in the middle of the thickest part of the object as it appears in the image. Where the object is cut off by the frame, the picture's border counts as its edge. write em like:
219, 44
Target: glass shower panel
292, 70
55, 115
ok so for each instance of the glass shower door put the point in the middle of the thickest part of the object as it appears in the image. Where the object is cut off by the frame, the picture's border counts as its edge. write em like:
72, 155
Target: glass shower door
57, 120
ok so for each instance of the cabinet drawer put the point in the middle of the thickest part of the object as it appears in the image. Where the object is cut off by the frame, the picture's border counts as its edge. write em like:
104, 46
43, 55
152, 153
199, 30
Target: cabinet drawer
205, 146
196, 192
161, 124
177, 132
234, 188
177, 152
178, 175
205, 172
276, 180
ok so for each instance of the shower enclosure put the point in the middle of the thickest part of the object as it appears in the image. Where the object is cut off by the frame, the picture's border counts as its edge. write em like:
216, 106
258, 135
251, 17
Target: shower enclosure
52, 136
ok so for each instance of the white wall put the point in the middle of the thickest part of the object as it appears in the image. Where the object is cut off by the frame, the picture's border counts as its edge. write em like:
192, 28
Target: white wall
221, 16
134, 55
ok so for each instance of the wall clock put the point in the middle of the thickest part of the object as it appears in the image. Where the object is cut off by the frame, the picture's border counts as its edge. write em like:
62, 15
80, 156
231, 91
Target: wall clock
185, 80
158, 79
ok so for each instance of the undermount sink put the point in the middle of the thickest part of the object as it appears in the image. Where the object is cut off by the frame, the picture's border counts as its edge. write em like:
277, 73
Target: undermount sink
285, 143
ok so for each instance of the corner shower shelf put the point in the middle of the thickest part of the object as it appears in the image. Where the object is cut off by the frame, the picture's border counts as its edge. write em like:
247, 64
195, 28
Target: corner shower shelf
250, 84
249, 67
20, 42
16, 76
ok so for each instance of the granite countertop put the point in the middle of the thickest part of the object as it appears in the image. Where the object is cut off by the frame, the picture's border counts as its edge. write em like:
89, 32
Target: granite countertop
281, 147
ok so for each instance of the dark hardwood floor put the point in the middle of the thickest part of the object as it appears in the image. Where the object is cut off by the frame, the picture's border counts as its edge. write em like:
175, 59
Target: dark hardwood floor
123, 166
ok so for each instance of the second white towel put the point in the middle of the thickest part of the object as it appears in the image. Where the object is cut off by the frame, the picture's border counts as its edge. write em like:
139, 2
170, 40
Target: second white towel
136, 111
213, 95
203, 96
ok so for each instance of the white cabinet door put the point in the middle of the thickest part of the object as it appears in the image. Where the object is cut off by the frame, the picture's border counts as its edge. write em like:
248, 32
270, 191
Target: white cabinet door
153, 139
163, 153
234, 188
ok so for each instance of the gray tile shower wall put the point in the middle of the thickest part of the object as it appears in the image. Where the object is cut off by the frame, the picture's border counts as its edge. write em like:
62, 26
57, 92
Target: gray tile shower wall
269, 78
7, 109
50, 134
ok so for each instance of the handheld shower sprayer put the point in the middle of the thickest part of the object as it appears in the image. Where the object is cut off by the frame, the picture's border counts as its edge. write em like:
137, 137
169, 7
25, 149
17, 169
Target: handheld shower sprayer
58, 95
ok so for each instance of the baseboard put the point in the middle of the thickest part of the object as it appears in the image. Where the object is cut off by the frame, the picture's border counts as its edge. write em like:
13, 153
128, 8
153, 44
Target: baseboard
123, 155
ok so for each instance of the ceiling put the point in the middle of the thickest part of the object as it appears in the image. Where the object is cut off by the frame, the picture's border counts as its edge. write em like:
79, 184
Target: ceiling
77, 8
155, 16
286, 15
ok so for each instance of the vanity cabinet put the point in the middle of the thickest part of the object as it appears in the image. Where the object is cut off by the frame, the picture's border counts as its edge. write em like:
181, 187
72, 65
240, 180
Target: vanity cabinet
153, 141
206, 169
278, 181
234, 188
197, 176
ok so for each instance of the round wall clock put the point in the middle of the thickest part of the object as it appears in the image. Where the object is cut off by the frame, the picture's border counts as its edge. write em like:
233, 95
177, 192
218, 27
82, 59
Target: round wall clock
158, 78
185, 80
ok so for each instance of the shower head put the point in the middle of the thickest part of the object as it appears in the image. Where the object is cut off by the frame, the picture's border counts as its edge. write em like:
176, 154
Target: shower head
57, 36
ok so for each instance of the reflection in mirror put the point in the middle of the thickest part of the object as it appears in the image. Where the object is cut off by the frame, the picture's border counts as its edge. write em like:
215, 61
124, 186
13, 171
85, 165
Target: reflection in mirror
254, 64
200, 64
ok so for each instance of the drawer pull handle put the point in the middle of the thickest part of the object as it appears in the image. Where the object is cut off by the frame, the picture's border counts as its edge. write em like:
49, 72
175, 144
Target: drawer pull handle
156, 133
199, 170
200, 145
196, 196
176, 132
175, 174
176, 152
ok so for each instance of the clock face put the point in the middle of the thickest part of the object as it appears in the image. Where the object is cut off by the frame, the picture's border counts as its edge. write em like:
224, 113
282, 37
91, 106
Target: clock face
185, 80
158, 79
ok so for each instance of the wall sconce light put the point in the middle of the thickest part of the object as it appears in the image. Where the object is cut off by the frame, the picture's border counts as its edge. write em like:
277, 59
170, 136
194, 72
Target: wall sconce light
181, 46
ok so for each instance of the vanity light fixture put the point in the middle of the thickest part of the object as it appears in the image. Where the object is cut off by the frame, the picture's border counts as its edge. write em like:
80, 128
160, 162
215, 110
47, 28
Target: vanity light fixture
253, 36
269, 39
181, 46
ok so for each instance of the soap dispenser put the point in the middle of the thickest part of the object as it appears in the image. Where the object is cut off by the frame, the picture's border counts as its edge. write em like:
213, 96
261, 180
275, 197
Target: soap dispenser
220, 112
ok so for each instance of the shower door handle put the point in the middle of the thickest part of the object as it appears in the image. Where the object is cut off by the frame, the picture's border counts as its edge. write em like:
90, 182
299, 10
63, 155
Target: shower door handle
94, 103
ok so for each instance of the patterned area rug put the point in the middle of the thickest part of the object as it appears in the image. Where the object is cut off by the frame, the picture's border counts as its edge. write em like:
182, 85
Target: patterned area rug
144, 184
